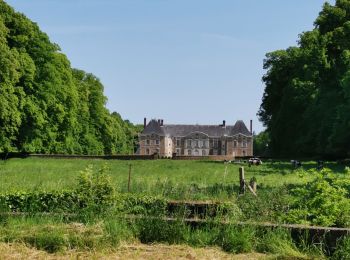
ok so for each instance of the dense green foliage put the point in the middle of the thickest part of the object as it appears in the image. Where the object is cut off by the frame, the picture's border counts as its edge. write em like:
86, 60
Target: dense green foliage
46, 106
261, 143
323, 201
306, 102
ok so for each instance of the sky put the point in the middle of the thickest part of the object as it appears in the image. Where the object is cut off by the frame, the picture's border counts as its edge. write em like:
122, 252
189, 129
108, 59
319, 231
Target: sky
185, 61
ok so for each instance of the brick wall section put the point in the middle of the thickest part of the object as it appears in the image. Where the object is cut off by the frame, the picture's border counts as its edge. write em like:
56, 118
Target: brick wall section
106, 157
208, 158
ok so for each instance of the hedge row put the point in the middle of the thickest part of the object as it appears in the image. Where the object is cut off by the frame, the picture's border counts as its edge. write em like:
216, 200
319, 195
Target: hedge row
71, 201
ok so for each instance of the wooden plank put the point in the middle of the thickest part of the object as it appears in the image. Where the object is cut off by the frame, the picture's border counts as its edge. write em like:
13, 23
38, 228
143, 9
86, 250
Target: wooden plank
250, 189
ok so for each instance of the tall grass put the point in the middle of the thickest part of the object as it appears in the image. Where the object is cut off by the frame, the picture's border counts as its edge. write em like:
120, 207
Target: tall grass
342, 250
96, 225
169, 178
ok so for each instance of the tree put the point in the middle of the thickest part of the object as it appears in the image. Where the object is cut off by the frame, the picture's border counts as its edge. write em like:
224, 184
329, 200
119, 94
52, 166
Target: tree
306, 99
46, 106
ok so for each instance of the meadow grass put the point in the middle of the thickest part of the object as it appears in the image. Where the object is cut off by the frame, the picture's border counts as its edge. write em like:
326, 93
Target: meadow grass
54, 235
168, 178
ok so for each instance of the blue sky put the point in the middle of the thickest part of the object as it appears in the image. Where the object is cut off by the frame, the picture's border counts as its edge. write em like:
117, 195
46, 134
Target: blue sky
186, 61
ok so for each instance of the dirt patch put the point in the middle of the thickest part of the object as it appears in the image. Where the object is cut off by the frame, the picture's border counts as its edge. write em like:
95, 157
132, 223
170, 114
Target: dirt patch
134, 251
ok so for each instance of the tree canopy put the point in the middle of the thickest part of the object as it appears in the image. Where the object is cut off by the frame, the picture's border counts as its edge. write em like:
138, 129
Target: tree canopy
45, 105
306, 102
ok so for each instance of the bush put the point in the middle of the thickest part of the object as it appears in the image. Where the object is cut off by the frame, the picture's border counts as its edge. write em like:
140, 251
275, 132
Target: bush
139, 204
269, 205
95, 191
32, 202
322, 201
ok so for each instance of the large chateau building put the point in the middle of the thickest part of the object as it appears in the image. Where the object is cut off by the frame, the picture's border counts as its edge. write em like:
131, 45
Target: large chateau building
196, 140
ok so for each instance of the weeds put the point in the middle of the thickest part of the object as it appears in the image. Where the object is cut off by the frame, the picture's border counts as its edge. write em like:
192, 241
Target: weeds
235, 239
343, 249
278, 242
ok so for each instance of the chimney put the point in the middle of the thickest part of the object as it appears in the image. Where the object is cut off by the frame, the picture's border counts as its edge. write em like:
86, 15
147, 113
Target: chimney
161, 122
144, 122
224, 123
251, 126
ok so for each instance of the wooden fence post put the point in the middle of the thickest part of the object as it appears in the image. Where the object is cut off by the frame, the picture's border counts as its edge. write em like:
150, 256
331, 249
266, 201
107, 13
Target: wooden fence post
129, 177
241, 180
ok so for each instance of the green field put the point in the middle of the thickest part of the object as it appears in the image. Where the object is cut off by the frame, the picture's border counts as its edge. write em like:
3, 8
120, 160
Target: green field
168, 178
65, 206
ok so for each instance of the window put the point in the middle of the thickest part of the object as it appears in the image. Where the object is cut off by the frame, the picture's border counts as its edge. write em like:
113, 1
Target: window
157, 142
178, 142
200, 143
204, 152
189, 152
215, 143
196, 152
207, 143
178, 151
188, 143
148, 142
235, 143
194, 143
147, 151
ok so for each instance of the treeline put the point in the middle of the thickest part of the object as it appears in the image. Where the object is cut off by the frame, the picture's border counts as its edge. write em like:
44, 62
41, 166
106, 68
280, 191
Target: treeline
45, 105
306, 103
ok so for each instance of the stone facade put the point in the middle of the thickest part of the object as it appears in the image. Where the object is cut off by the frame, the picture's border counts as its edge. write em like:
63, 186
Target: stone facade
196, 140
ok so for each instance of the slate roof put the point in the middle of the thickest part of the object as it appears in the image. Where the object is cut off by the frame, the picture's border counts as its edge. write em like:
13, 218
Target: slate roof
153, 127
184, 130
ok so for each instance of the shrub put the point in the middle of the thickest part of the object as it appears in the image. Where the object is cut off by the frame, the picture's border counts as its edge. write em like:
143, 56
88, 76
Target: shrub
322, 201
269, 205
95, 191
139, 204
